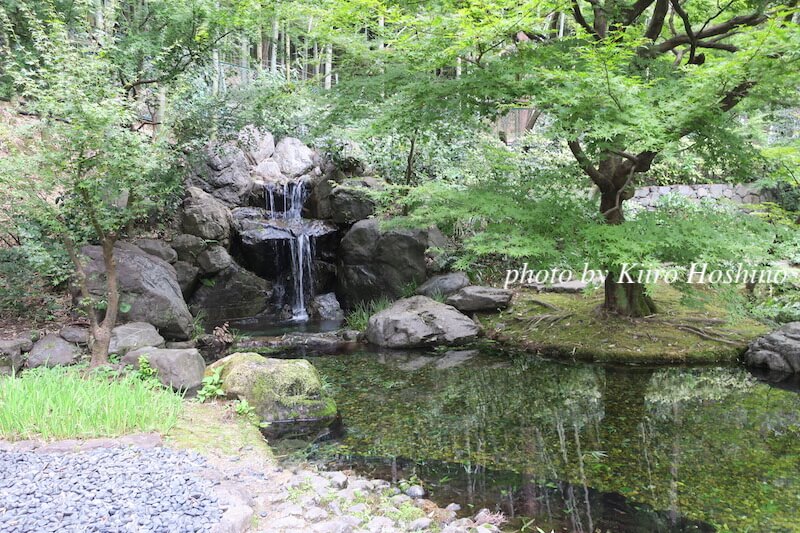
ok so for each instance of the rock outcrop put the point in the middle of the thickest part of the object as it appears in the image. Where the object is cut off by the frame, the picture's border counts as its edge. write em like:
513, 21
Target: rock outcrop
205, 217
374, 263
149, 289
232, 293
778, 351
286, 393
419, 322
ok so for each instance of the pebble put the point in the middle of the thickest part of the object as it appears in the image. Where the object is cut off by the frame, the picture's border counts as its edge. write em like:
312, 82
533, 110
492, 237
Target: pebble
106, 489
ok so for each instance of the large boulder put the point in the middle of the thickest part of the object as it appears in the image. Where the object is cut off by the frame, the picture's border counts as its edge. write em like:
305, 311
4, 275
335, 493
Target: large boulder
350, 201
420, 321
75, 334
181, 369
256, 144
778, 351
52, 350
293, 157
149, 287
286, 393
204, 216
375, 263
443, 284
233, 293
132, 336
477, 298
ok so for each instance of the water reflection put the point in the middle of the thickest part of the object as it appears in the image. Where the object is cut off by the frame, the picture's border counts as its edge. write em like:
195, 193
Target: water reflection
577, 447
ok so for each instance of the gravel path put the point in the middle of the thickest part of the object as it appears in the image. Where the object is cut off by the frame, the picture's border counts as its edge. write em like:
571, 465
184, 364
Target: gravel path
116, 489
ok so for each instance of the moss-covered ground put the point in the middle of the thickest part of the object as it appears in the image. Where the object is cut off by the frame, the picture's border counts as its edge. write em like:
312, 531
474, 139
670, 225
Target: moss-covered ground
693, 329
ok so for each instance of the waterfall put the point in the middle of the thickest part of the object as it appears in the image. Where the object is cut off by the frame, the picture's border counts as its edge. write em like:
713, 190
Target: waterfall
300, 249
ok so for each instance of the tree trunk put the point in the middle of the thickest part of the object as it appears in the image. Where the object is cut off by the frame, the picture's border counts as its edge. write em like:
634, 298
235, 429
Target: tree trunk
328, 66
273, 49
101, 332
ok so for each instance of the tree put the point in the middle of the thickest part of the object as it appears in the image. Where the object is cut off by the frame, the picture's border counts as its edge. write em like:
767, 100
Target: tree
80, 170
622, 83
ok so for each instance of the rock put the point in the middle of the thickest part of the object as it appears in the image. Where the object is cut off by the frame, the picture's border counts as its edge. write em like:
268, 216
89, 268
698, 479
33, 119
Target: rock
476, 298
455, 358
454, 507
204, 216
567, 287
236, 519
350, 201
268, 169
443, 284
379, 524
11, 359
182, 345
420, 524
75, 334
231, 294
52, 351
415, 491
257, 144
326, 307
287, 393
779, 351
213, 260
157, 248
148, 285
188, 247
132, 336
293, 157
338, 479
420, 321
187, 275
21, 343
375, 263
180, 369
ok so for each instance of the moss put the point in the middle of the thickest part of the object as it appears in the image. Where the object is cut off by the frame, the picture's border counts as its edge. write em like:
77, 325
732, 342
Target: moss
212, 427
588, 334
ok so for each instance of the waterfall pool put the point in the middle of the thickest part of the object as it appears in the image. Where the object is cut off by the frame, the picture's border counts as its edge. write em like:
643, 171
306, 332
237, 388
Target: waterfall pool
573, 447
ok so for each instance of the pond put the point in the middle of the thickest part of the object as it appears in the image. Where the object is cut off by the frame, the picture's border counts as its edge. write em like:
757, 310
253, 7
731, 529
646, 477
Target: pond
573, 447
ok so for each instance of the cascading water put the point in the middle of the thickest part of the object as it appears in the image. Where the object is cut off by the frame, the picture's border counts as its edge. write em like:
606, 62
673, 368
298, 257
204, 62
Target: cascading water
300, 245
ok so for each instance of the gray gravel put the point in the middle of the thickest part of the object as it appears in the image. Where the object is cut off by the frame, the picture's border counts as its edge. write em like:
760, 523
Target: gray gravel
106, 490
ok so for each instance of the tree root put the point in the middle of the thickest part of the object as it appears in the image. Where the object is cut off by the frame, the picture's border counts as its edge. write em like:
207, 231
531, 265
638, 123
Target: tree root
545, 304
716, 337
547, 320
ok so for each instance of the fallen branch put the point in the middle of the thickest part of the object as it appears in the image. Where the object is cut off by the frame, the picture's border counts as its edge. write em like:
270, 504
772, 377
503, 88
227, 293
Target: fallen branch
704, 335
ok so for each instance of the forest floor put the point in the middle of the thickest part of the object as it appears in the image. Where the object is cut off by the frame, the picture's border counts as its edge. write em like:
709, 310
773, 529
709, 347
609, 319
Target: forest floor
695, 328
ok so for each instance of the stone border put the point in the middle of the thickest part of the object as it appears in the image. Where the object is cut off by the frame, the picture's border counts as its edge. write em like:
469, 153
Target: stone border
648, 196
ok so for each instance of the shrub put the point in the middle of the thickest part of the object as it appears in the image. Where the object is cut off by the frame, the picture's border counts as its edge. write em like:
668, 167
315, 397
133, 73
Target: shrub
58, 403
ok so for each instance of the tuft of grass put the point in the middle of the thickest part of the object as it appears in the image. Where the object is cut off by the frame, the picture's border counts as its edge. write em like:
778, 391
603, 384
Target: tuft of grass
69, 402
358, 318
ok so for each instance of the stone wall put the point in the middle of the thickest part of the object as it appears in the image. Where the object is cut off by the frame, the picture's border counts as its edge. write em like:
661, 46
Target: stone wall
741, 193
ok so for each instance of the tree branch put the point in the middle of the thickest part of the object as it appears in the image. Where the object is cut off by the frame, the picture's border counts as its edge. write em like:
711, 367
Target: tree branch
633, 12
586, 165
753, 19
577, 14
657, 22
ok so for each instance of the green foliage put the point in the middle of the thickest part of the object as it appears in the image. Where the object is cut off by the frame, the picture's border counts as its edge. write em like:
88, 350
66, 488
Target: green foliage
212, 387
145, 372
24, 292
358, 317
61, 402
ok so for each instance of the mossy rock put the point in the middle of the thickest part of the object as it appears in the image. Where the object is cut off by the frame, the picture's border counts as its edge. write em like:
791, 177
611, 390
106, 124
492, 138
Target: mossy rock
286, 393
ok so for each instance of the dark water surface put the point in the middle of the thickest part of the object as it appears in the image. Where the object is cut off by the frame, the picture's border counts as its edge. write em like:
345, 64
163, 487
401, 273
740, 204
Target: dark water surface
574, 447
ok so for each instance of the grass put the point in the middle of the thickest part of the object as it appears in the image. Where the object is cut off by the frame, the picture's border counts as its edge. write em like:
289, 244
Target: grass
587, 334
358, 318
60, 403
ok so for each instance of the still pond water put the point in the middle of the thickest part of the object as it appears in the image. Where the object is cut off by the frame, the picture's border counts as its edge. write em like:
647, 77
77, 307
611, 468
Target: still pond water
573, 447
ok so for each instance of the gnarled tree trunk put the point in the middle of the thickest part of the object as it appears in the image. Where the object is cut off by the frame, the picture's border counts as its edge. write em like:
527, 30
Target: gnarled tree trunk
614, 178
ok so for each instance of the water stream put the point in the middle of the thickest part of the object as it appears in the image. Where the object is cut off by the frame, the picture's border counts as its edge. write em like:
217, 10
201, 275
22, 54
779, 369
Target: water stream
573, 447
300, 245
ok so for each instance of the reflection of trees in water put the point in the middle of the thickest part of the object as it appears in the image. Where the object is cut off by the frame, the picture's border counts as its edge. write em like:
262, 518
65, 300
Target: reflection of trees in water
657, 436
